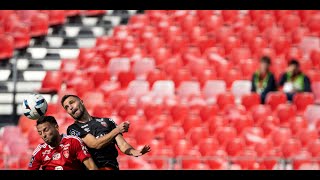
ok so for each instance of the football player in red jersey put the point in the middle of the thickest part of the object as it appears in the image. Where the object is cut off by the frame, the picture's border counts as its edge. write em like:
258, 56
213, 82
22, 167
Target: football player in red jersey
59, 151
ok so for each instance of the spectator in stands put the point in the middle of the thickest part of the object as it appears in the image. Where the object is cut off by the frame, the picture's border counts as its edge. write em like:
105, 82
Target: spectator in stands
101, 135
263, 80
294, 81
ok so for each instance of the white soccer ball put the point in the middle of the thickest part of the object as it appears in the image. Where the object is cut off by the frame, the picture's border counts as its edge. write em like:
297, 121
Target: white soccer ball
34, 106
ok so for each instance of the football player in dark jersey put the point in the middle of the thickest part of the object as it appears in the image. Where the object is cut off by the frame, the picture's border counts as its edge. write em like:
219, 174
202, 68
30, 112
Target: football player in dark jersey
99, 134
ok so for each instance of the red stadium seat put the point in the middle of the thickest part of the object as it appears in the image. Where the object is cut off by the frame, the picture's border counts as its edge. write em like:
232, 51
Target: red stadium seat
20, 32
207, 145
144, 135
272, 158
197, 66
152, 110
173, 134
161, 123
255, 15
181, 147
240, 122
281, 14
272, 33
247, 159
298, 34
239, 55
281, 45
248, 33
219, 159
197, 133
6, 46
56, 17
307, 136
70, 13
208, 111
313, 24
102, 110
297, 124
181, 75
314, 148
253, 136
191, 159
223, 33
314, 76
39, 25
25, 124
225, 134
275, 98
301, 158
269, 124
235, 147
285, 112
224, 99
53, 109
229, 16
316, 85
265, 21
93, 12
302, 100
280, 136
315, 57
155, 75
294, 53
191, 121
305, 15
51, 82
290, 22
127, 109
214, 122
189, 22
205, 75
290, 148
250, 100
230, 43
260, 112
257, 44
263, 147
241, 22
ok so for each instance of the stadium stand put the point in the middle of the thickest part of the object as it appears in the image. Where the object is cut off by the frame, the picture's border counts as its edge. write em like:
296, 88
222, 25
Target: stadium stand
180, 76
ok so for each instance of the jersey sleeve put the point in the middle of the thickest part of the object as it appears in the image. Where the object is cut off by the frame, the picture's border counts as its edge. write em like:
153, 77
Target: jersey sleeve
75, 130
35, 161
80, 149
110, 123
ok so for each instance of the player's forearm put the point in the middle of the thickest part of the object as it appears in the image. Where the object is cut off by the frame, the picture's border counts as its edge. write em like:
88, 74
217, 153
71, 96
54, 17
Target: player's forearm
127, 149
107, 139
89, 163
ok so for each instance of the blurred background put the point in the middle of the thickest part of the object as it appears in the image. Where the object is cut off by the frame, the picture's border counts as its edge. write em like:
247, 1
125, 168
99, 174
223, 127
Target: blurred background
183, 78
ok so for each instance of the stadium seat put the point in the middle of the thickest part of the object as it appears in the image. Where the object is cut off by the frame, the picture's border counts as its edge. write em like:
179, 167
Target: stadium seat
181, 147
295, 53
93, 12
291, 147
314, 76
197, 133
272, 159
248, 33
128, 109
239, 55
188, 88
281, 45
285, 112
275, 98
229, 16
302, 100
156, 75
255, 15
312, 24
231, 76
137, 88
181, 75
252, 136
191, 159
214, 122
206, 112
161, 123
314, 148
217, 159
6, 46
56, 17
248, 67
307, 136
302, 158
235, 147
143, 67
117, 65
231, 43
102, 110
225, 134
39, 25
242, 21
266, 20
240, 122
51, 82
151, 110
191, 121
212, 89
312, 113
240, 88
297, 124
144, 135
92, 98
260, 112
223, 33
163, 88
25, 124
173, 134
247, 159
224, 99
269, 124
20, 32
280, 136
250, 100
207, 145
53, 109
197, 66
272, 33
316, 85
263, 146
290, 22
314, 57
280, 14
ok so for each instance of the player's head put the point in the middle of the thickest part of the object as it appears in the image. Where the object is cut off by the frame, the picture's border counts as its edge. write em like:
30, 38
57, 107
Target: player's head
48, 129
293, 66
73, 105
265, 63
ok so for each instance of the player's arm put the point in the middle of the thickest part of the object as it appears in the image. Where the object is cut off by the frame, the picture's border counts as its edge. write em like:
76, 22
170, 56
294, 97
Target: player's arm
35, 161
83, 154
127, 149
89, 163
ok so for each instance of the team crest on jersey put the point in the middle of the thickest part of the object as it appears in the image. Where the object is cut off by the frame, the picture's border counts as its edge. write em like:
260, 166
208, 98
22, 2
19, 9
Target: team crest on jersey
74, 132
56, 156
104, 124
66, 153
58, 168
46, 158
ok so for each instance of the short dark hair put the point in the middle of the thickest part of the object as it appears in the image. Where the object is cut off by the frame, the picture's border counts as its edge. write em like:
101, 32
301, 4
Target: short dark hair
294, 62
66, 96
265, 59
49, 119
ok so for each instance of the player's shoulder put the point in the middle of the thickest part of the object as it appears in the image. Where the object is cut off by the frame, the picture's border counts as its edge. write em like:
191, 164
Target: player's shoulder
41, 147
71, 138
100, 119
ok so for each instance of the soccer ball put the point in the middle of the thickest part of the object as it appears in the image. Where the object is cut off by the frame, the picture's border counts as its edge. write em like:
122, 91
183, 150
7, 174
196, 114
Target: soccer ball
34, 106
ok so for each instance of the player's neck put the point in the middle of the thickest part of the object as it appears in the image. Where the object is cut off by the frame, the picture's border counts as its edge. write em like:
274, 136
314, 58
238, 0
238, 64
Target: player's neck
57, 142
85, 118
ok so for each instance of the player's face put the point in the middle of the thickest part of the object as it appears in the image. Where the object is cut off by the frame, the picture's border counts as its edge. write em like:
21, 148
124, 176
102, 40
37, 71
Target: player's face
74, 107
48, 132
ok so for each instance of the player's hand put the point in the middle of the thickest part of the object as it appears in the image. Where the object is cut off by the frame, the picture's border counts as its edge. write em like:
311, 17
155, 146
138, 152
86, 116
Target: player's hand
124, 127
141, 152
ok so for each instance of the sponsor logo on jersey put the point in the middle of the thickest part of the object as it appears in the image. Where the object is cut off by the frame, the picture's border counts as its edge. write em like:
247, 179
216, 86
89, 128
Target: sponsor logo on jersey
66, 153
87, 129
99, 120
46, 152
74, 132
31, 161
46, 158
104, 124
84, 126
58, 168
56, 156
